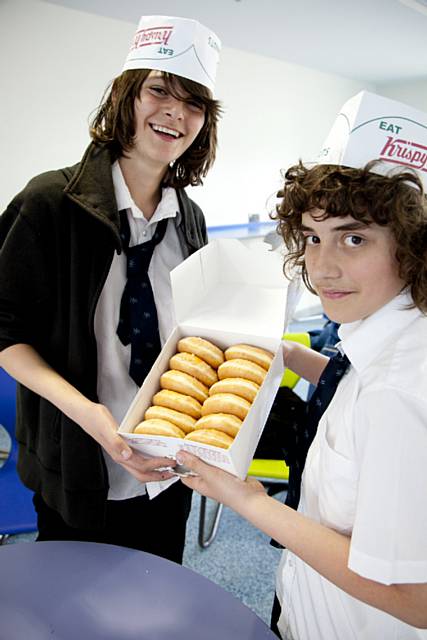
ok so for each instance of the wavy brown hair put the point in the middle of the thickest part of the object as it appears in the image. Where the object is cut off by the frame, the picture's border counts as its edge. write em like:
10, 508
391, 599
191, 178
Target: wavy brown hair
114, 123
396, 201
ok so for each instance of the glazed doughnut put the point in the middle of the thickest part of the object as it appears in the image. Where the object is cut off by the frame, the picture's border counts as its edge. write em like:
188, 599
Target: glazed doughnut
210, 436
262, 357
221, 422
240, 368
207, 351
159, 428
226, 403
179, 402
239, 386
194, 366
183, 383
181, 420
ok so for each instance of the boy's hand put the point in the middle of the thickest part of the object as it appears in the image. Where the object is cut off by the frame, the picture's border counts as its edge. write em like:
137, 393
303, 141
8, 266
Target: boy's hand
216, 483
101, 425
27, 366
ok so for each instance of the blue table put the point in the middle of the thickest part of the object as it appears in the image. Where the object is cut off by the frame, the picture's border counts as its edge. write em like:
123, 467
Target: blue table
88, 591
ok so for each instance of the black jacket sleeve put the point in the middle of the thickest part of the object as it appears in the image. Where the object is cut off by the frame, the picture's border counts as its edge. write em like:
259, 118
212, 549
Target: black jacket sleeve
24, 286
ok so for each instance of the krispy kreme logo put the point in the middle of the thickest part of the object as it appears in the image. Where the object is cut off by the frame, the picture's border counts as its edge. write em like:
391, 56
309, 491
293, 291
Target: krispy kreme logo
151, 36
410, 154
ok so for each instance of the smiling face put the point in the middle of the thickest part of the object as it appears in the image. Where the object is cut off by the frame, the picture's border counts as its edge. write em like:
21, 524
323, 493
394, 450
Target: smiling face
165, 127
351, 265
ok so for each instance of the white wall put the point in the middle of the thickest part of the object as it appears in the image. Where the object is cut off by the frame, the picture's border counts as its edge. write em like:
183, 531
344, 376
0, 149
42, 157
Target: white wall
55, 63
275, 113
412, 92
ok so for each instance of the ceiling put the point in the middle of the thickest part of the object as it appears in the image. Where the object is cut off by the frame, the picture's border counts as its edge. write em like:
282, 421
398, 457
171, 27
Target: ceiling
377, 41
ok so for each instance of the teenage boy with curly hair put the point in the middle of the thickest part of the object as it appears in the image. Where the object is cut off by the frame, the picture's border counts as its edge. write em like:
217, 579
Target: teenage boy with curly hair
355, 559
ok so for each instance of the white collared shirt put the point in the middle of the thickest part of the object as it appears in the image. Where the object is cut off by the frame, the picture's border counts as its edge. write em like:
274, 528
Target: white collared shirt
116, 389
365, 476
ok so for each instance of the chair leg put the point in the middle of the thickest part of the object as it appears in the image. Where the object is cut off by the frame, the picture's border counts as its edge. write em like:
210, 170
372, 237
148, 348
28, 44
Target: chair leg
204, 543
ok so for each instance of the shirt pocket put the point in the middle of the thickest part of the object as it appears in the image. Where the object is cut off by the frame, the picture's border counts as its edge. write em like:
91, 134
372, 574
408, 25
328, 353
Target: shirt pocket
338, 481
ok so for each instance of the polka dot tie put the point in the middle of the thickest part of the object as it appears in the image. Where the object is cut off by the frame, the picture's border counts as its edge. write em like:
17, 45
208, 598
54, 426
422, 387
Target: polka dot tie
138, 323
304, 434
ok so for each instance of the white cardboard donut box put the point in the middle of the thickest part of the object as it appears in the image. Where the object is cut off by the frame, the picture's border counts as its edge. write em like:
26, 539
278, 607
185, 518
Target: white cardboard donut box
228, 294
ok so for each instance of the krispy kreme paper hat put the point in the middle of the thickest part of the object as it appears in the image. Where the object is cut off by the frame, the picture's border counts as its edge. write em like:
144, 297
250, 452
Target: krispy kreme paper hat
175, 45
371, 127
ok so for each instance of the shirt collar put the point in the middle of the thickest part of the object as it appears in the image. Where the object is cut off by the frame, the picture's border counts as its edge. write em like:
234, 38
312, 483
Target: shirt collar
363, 341
168, 206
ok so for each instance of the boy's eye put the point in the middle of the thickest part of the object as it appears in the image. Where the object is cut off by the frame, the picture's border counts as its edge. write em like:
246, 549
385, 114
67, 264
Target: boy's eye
353, 241
161, 91
195, 105
310, 240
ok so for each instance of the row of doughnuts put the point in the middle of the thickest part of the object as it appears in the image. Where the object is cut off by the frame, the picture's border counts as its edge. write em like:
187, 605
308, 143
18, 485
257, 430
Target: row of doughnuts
239, 379
184, 388
207, 393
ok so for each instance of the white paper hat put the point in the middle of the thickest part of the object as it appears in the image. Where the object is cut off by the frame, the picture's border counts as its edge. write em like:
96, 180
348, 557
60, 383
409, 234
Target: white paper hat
176, 45
371, 127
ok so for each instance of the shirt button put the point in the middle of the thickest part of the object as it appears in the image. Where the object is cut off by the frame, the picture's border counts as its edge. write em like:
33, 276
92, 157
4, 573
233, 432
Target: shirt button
144, 233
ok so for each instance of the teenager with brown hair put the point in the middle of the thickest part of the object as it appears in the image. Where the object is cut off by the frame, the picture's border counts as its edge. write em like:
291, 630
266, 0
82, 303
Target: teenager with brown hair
85, 294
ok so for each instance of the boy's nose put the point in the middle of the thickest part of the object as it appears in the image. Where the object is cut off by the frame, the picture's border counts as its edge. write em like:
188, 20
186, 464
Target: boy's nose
325, 264
175, 108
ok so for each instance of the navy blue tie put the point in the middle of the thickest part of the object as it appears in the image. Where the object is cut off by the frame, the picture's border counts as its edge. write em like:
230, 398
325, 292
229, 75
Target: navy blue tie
319, 402
138, 323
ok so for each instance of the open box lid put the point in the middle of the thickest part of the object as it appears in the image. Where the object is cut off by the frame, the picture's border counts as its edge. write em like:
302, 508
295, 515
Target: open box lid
231, 287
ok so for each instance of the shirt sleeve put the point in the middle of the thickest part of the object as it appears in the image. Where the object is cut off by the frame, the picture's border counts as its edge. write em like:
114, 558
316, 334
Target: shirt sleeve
389, 538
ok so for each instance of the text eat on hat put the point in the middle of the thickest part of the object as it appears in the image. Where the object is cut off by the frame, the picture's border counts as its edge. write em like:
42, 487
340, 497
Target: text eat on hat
371, 127
180, 46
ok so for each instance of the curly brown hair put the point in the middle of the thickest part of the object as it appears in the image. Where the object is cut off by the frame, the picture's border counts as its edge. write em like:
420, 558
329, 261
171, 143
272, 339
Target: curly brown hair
114, 123
396, 200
